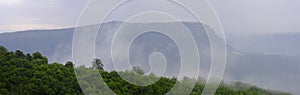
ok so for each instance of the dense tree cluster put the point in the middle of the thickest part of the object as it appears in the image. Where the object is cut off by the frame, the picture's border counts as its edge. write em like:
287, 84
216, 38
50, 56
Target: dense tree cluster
31, 74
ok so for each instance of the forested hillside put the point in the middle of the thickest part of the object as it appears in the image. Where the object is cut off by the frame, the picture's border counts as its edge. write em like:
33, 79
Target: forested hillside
31, 74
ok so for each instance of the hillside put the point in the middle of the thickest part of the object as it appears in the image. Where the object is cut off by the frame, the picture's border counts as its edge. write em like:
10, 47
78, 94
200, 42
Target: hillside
32, 74
280, 72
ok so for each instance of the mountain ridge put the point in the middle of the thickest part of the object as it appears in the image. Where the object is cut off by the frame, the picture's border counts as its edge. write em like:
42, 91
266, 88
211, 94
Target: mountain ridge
242, 66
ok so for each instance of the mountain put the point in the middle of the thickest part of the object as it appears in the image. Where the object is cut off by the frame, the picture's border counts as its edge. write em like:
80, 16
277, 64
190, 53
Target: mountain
274, 71
55, 44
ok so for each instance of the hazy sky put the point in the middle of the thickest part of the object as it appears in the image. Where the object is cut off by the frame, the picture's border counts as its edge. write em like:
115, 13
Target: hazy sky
237, 16
262, 16
39, 14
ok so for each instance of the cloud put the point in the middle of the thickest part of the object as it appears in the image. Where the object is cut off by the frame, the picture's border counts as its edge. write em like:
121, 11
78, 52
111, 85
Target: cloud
37, 14
22, 27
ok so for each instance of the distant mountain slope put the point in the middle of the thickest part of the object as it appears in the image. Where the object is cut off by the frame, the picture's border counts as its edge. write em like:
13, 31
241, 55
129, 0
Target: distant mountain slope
46, 41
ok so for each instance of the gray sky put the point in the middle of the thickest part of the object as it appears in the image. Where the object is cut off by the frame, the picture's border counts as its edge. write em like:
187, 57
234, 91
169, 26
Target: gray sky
237, 16
39, 14
262, 16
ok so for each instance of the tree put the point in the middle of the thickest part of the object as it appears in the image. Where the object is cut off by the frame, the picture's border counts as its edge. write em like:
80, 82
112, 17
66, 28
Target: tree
2, 50
97, 64
37, 55
39, 59
138, 70
19, 54
28, 57
69, 64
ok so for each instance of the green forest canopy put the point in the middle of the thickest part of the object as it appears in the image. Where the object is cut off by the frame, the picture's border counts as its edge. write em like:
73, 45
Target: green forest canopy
31, 74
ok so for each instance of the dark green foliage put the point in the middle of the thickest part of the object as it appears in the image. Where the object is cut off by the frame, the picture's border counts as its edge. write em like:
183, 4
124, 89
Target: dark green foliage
120, 86
26, 75
69, 64
97, 64
19, 54
31, 75
3, 50
39, 59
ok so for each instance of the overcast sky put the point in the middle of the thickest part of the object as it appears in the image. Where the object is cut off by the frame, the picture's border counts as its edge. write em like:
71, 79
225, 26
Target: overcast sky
39, 14
259, 16
237, 16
